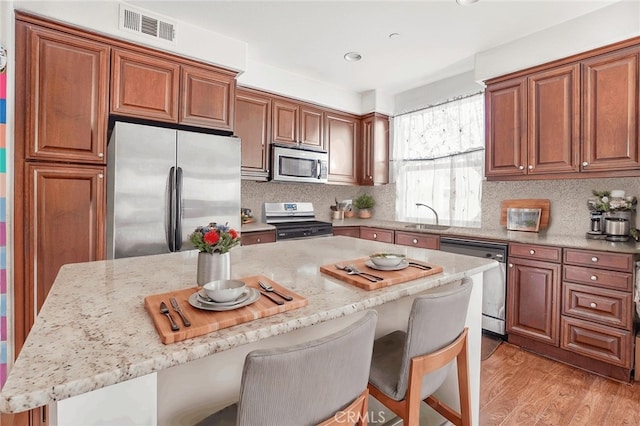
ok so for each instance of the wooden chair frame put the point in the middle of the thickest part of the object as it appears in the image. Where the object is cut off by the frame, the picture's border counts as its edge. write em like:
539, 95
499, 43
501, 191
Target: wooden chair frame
409, 408
356, 410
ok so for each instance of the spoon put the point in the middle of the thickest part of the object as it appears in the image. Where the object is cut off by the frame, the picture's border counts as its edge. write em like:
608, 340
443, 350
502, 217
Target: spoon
270, 289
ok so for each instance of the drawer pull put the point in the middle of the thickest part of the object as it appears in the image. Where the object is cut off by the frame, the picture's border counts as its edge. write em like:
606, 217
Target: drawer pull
259, 240
594, 278
594, 259
593, 305
375, 235
415, 241
532, 251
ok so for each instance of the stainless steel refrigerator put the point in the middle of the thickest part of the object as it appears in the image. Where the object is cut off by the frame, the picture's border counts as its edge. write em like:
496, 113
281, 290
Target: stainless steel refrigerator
163, 183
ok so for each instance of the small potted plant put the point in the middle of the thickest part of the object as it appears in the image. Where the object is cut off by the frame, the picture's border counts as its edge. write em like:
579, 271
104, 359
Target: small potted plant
364, 203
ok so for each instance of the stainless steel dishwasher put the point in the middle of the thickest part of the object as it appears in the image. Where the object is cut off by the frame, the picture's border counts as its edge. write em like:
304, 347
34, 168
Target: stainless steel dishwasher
495, 280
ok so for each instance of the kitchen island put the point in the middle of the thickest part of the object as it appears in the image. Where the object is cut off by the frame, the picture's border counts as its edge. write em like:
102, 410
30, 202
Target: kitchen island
94, 346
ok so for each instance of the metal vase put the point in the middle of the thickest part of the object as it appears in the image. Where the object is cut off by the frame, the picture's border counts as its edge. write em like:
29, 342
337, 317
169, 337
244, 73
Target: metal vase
213, 267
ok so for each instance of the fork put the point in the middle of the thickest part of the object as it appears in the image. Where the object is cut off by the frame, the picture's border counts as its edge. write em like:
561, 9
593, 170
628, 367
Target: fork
351, 270
165, 310
176, 307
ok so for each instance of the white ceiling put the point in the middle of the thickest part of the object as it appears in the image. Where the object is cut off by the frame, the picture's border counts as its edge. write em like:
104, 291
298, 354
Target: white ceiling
437, 38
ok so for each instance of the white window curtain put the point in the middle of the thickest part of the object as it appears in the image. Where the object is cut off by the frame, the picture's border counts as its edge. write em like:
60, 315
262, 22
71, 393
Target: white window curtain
438, 160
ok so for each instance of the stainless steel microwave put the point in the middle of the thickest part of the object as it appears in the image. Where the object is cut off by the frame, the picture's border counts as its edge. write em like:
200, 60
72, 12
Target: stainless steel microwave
298, 164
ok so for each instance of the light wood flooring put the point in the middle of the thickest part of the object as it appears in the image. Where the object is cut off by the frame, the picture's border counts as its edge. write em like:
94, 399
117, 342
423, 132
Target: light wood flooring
521, 388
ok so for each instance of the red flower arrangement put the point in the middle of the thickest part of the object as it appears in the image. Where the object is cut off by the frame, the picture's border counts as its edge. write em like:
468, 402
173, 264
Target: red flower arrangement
215, 238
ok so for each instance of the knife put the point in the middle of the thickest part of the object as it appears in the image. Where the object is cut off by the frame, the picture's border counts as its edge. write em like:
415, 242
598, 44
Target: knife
176, 307
268, 296
165, 310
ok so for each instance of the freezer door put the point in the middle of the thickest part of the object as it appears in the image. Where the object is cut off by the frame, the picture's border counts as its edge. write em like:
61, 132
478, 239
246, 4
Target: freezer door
139, 162
210, 186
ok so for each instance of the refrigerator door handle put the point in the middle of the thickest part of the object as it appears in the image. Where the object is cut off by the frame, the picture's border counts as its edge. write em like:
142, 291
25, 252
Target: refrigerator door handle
178, 204
170, 210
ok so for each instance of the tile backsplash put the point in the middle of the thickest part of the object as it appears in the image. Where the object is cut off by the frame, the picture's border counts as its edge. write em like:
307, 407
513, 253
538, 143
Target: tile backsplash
568, 216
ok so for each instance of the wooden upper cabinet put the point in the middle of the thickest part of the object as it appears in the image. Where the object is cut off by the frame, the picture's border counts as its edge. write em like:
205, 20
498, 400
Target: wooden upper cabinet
374, 150
554, 120
144, 86
342, 138
297, 123
610, 117
253, 127
207, 97
70, 74
506, 128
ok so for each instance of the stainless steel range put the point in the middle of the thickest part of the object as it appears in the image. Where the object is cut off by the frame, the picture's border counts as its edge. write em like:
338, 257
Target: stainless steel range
295, 220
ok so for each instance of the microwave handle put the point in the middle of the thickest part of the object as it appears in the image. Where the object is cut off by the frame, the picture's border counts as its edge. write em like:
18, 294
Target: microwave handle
319, 169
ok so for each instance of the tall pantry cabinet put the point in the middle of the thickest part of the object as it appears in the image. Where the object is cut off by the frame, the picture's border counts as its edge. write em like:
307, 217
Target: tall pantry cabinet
60, 162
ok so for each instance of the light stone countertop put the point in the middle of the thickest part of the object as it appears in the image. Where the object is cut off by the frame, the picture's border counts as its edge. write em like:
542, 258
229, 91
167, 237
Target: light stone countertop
93, 330
572, 241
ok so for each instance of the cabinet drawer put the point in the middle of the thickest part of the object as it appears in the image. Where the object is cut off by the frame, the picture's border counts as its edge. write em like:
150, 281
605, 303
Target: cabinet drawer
607, 307
348, 231
597, 341
536, 252
599, 259
598, 277
416, 239
261, 237
376, 234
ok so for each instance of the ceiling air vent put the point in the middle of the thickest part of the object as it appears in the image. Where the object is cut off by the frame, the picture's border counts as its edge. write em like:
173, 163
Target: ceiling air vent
142, 22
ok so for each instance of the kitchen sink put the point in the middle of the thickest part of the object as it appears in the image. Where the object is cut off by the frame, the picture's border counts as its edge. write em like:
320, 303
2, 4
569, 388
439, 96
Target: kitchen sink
426, 226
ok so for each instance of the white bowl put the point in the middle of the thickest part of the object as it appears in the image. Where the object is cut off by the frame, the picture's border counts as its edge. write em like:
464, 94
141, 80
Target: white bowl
386, 259
224, 290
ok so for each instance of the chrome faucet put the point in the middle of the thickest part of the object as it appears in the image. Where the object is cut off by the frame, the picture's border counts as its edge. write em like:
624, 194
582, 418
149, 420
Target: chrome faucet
434, 212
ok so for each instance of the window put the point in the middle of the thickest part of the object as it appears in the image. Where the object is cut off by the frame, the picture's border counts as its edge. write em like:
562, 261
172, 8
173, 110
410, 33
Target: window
438, 160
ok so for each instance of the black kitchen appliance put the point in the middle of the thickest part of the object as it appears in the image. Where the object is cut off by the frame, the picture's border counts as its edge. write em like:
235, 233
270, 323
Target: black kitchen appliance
295, 220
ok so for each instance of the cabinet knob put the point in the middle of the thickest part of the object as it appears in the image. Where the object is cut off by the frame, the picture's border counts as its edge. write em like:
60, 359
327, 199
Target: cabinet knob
530, 167
375, 235
532, 251
585, 164
521, 167
259, 240
511, 265
594, 259
593, 305
415, 241
100, 154
100, 175
594, 278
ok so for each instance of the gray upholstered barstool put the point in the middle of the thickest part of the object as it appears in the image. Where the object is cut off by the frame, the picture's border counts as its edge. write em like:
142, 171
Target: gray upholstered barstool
408, 367
323, 381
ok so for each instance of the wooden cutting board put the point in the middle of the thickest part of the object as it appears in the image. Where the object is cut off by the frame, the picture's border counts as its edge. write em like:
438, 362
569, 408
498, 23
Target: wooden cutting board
389, 277
203, 322
527, 203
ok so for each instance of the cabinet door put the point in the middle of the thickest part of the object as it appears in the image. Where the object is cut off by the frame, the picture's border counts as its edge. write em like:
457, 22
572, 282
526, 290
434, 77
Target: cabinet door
144, 86
342, 135
67, 81
416, 239
285, 122
533, 300
311, 127
506, 128
377, 234
554, 120
610, 117
65, 208
374, 150
253, 127
207, 98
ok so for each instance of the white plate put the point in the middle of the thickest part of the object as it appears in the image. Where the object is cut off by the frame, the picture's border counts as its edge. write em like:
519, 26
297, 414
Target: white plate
203, 298
195, 302
402, 265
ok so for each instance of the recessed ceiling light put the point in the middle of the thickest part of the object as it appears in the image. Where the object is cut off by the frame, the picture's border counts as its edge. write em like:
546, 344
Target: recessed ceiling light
352, 56
466, 2
394, 35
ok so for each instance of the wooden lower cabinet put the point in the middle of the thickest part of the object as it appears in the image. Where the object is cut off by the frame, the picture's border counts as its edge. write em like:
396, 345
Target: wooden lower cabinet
258, 237
348, 231
602, 343
416, 239
377, 234
533, 300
